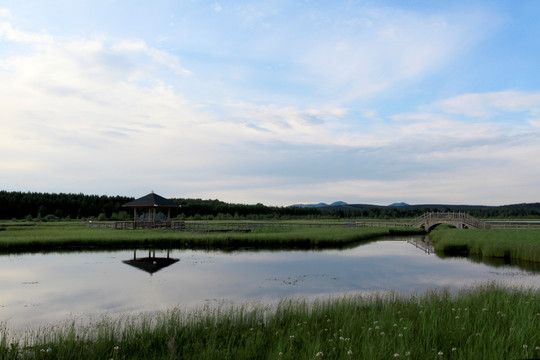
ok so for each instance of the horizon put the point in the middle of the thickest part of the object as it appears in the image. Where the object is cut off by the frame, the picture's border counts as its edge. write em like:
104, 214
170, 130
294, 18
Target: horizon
314, 204
273, 102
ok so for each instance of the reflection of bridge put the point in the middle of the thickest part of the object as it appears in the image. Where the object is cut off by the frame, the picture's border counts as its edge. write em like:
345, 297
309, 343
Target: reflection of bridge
423, 244
430, 220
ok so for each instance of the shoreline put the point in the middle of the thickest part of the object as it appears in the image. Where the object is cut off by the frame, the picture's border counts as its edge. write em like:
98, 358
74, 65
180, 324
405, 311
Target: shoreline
375, 327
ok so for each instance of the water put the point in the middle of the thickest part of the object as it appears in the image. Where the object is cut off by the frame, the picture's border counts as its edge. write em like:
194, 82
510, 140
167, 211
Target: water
40, 289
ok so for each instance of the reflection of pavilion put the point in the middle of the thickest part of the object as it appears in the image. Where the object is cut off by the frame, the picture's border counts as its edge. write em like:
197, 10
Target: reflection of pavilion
150, 264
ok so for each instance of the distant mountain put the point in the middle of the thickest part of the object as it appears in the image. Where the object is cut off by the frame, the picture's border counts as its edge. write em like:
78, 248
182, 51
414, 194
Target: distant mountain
310, 205
320, 205
400, 204
338, 203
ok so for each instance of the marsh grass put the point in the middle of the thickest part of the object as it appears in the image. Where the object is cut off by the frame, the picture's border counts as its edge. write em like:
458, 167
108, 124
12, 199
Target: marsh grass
506, 244
486, 322
78, 236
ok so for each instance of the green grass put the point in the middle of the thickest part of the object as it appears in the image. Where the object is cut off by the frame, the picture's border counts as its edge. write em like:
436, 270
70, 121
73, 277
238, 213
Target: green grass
65, 236
507, 244
482, 323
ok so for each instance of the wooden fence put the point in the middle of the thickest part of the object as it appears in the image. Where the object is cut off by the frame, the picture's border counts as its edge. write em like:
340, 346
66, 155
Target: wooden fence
204, 226
231, 226
515, 225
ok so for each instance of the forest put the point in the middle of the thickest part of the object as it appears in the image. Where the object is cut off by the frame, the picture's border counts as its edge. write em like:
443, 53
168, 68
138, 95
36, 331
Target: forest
35, 206
50, 207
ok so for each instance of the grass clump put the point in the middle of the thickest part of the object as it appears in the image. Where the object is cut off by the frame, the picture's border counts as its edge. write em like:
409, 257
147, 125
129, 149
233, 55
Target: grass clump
487, 322
508, 244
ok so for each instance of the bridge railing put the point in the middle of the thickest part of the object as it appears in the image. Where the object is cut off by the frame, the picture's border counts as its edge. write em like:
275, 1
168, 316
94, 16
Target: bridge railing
474, 222
433, 216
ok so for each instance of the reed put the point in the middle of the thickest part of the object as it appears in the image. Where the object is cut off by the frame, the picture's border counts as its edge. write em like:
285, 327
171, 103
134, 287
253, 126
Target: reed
65, 236
508, 244
487, 322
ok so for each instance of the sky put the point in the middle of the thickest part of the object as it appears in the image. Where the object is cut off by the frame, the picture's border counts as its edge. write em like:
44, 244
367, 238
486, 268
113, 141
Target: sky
273, 102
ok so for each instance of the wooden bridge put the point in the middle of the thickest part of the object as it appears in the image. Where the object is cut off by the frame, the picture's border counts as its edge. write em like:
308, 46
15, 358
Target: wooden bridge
430, 220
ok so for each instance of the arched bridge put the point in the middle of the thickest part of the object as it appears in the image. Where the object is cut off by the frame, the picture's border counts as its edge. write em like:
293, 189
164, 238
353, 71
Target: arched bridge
430, 220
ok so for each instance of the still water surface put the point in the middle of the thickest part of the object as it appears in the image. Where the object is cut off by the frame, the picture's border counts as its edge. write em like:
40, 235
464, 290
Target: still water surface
39, 289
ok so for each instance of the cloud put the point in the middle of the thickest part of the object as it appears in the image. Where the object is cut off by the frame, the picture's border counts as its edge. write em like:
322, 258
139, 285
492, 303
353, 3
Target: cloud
5, 13
491, 103
69, 100
374, 50
268, 119
17, 36
305, 54
80, 107
160, 56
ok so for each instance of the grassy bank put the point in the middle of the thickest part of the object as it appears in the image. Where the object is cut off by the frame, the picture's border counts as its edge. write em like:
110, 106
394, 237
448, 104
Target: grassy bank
508, 244
65, 236
482, 323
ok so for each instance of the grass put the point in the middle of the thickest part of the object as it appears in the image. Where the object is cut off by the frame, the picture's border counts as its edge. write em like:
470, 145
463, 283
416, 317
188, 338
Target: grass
507, 244
486, 322
483, 322
65, 236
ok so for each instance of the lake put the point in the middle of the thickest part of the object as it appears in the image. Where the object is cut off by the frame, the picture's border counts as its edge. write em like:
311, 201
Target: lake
45, 288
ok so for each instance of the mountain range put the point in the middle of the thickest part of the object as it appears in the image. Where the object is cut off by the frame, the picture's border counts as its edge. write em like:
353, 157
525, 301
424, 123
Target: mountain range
341, 205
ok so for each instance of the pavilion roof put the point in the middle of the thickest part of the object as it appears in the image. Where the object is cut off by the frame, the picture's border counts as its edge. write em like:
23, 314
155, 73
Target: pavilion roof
151, 200
151, 264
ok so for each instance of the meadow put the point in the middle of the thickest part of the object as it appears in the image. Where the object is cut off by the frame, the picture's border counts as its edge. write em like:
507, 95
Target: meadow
486, 322
22, 237
482, 322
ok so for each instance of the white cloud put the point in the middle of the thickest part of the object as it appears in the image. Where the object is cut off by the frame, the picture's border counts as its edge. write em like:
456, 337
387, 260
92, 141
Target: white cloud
15, 35
158, 55
386, 47
72, 102
492, 103
104, 114
5, 13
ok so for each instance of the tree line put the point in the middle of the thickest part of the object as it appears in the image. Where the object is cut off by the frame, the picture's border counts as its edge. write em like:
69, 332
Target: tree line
35, 205
48, 207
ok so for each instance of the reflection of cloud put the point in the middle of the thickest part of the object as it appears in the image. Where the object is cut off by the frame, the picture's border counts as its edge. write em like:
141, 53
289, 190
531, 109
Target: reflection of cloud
57, 289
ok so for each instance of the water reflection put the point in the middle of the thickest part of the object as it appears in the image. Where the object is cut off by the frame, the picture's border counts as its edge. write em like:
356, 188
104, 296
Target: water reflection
151, 263
44, 288
533, 267
422, 243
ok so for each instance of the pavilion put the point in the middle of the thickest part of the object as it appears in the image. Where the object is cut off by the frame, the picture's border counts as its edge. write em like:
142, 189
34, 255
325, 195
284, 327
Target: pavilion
149, 206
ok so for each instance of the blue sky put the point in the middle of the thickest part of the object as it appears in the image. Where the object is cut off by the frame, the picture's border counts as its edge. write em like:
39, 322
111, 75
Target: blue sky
275, 102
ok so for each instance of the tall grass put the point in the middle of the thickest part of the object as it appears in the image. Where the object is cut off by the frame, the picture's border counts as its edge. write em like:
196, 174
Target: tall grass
487, 322
78, 236
508, 244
